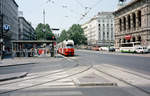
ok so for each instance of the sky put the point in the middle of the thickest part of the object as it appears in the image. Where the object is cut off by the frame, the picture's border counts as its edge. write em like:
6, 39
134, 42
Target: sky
63, 13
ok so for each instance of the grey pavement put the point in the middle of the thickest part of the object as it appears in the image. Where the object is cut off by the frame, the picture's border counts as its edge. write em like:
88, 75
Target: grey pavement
11, 76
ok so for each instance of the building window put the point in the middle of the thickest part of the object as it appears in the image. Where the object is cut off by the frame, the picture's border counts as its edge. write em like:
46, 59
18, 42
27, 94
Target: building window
139, 18
124, 22
103, 21
107, 35
134, 20
129, 22
120, 23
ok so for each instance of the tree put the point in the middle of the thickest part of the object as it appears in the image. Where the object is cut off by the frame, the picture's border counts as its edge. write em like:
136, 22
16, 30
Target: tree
43, 32
74, 33
63, 36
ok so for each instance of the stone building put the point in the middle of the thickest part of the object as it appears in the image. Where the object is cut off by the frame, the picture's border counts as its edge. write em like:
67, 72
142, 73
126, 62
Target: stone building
100, 29
132, 23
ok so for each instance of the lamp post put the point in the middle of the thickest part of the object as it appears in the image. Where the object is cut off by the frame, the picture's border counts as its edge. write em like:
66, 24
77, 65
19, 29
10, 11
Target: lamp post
1, 28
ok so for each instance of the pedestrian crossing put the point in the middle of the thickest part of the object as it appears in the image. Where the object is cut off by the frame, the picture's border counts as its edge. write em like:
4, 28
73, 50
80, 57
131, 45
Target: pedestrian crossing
49, 85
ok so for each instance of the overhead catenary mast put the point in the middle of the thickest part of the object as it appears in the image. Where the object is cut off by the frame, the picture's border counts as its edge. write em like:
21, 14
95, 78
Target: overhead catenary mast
44, 16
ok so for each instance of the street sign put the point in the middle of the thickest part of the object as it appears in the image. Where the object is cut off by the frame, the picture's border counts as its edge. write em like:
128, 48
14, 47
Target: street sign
6, 27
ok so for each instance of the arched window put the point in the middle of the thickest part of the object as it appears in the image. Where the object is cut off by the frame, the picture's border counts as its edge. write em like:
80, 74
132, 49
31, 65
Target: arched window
120, 23
139, 18
129, 22
134, 20
124, 22
133, 39
139, 38
124, 40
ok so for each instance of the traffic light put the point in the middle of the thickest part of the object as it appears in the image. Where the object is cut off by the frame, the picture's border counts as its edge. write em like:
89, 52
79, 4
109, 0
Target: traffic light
51, 38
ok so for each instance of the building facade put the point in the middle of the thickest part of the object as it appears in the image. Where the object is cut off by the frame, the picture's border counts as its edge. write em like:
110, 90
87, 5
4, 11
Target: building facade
132, 23
100, 29
9, 10
26, 31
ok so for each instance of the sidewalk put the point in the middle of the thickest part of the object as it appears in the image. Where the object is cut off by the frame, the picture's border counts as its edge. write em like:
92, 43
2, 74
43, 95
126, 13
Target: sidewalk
24, 61
15, 62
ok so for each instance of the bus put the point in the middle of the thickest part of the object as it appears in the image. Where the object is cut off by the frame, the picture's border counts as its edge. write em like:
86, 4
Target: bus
129, 47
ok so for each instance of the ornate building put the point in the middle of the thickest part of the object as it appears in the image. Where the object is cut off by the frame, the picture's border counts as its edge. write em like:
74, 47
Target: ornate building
132, 23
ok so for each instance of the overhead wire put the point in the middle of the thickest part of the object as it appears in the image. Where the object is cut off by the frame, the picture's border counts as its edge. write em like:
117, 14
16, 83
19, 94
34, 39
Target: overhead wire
88, 11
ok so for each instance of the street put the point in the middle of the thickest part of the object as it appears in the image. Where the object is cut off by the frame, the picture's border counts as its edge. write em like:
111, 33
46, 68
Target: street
88, 73
136, 63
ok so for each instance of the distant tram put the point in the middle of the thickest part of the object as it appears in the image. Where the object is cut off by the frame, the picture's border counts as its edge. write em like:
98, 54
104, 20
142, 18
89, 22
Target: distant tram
66, 47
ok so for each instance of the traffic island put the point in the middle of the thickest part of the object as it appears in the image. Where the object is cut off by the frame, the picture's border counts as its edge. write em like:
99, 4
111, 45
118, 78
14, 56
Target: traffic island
12, 76
93, 80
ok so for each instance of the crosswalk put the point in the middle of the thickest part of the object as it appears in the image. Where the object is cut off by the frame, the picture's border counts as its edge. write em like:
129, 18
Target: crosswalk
49, 85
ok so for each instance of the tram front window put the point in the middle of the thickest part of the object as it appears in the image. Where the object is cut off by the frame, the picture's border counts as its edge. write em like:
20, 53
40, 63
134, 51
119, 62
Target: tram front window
69, 46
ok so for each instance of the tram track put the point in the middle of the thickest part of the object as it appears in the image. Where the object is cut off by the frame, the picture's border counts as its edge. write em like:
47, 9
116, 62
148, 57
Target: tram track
67, 70
123, 80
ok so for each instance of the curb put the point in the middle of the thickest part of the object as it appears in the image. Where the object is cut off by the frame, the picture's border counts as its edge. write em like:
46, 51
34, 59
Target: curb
98, 84
16, 76
15, 64
78, 83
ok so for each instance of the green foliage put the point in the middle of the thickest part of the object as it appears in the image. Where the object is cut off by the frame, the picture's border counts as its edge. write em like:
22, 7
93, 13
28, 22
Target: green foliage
63, 36
74, 33
43, 32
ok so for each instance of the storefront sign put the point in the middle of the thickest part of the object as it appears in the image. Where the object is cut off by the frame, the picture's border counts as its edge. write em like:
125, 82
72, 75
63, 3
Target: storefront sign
128, 37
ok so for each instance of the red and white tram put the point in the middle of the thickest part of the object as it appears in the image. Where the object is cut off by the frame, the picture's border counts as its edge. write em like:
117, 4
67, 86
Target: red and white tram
66, 48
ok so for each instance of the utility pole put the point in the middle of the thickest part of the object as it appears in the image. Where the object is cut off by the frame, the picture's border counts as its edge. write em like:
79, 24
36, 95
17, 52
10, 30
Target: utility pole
44, 30
44, 16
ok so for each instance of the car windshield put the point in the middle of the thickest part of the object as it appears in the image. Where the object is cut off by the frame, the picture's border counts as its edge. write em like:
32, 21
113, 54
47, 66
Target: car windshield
74, 47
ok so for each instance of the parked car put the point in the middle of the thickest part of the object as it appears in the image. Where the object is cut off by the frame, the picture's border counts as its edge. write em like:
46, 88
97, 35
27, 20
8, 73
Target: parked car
111, 49
141, 49
104, 48
148, 47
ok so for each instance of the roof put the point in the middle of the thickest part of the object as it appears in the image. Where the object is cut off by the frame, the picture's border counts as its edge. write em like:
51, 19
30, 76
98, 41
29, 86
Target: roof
25, 21
15, 3
127, 5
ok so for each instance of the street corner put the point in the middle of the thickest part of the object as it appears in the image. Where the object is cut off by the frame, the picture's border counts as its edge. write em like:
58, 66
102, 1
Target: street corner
6, 77
93, 79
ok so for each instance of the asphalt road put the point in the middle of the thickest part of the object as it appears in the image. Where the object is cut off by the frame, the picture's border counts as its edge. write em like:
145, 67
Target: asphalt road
135, 63
139, 64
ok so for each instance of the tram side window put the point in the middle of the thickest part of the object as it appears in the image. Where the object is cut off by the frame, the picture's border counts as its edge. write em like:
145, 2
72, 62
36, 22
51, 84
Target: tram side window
69, 46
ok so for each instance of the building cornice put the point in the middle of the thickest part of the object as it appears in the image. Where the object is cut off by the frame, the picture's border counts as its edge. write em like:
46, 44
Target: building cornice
26, 21
127, 5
